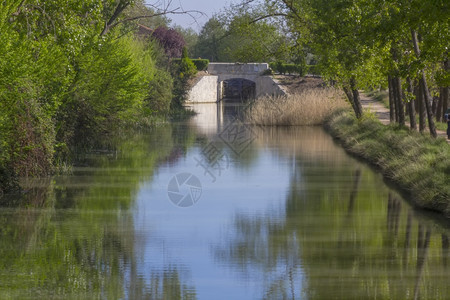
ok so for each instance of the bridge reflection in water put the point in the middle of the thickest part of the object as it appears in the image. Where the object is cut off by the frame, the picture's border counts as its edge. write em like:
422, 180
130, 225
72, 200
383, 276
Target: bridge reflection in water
212, 118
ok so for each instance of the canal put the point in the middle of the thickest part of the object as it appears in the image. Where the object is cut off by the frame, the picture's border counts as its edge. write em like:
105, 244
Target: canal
213, 208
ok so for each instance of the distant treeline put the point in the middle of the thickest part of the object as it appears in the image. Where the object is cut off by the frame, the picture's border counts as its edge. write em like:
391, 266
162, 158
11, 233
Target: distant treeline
299, 69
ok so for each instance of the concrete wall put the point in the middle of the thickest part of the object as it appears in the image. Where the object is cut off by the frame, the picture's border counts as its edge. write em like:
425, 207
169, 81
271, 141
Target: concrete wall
266, 85
204, 91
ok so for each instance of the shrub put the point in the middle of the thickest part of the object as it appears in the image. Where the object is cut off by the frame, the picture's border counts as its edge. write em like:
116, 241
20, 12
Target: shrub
111, 85
284, 68
313, 70
182, 72
160, 93
201, 64
273, 66
172, 41
267, 72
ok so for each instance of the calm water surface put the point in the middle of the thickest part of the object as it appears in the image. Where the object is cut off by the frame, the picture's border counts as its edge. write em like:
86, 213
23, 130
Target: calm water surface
214, 209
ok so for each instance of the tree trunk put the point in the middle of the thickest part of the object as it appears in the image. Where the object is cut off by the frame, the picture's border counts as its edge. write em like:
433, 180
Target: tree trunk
399, 101
356, 99
445, 97
439, 113
411, 106
391, 100
394, 97
427, 99
422, 116
426, 92
416, 95
446, 89
117, 12
349, 95
434, 105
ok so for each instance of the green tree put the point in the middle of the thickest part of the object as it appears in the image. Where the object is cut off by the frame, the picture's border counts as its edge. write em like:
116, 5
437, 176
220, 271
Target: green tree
256, 41
182, 73
70, 70
191, 39
210, 43
360, 43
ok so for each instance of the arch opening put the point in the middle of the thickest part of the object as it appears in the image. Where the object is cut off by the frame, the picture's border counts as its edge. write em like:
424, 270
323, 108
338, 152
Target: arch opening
238, 89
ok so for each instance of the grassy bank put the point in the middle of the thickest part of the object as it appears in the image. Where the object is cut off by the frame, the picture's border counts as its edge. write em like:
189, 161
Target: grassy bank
418, 163
310, 107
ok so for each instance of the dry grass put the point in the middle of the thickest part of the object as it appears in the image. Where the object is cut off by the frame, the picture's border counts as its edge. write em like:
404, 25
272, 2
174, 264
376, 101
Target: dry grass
310, 107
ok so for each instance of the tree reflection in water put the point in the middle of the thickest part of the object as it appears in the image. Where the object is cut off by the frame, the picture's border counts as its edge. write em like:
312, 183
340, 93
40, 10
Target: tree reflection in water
349, 241
73, 236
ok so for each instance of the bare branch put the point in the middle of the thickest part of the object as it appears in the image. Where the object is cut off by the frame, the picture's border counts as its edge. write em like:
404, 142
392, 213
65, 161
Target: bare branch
119, 9
165, 10
268, 16
171, 12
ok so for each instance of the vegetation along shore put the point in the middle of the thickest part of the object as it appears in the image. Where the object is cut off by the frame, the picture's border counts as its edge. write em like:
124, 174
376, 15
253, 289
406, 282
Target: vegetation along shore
419, 164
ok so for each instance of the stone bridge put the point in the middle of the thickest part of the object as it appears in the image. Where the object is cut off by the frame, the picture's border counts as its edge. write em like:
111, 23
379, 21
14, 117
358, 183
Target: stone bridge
233, 81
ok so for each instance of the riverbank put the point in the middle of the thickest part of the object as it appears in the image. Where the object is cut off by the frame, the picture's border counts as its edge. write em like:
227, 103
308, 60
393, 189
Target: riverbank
419, 164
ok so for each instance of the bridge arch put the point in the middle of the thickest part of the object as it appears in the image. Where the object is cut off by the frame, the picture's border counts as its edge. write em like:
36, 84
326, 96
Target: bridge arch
238, 88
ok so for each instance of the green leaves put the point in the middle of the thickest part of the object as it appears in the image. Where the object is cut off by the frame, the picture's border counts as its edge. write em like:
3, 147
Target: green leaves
245, 34
61, 83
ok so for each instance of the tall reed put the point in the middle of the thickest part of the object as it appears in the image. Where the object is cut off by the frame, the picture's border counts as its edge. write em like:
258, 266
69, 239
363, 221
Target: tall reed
310, 107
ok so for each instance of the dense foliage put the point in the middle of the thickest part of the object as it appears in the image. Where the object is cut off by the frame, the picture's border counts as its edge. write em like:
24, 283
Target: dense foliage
233, 36
69, 72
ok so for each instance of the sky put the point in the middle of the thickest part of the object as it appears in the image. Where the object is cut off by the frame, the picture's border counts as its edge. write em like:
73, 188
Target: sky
208, 7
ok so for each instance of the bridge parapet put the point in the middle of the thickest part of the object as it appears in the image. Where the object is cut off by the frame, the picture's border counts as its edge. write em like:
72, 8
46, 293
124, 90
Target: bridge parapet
237, 68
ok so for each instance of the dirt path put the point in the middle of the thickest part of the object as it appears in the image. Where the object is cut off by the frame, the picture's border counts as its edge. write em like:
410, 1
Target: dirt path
369, 104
